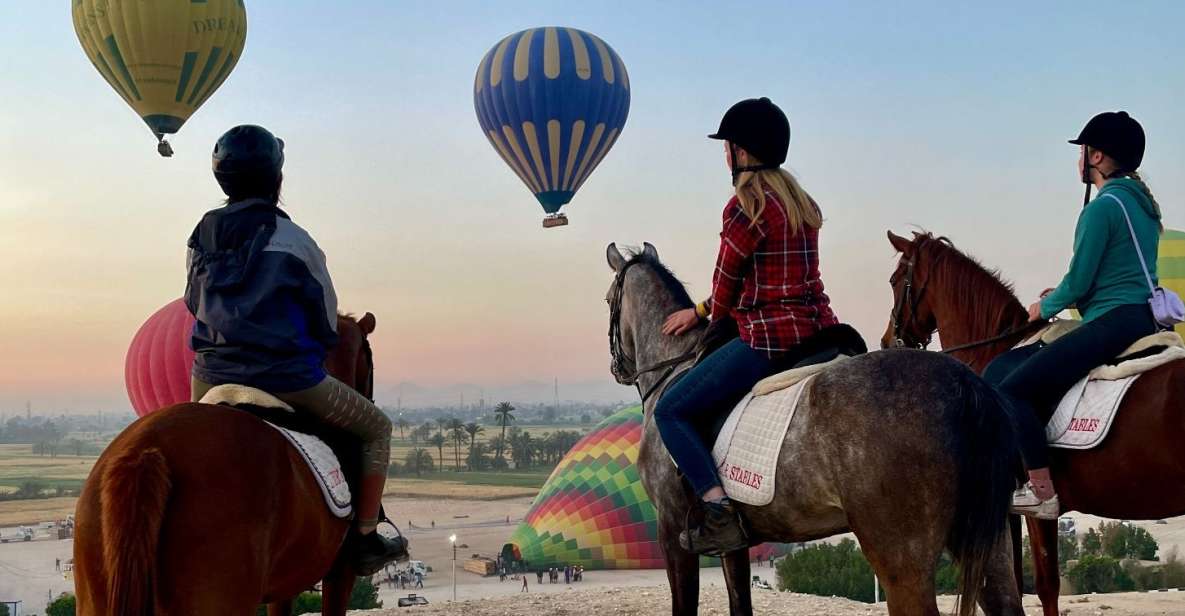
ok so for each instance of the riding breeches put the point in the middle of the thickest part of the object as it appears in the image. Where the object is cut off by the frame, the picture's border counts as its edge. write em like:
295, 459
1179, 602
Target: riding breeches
343, 408
712, 387
1033, 379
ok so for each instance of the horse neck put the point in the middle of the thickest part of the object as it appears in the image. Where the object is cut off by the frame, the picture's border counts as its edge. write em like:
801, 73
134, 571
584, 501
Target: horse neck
970, 306
650, 305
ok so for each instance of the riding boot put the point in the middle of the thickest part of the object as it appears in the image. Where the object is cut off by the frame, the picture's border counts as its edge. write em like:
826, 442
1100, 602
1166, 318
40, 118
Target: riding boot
721, 532
372, 551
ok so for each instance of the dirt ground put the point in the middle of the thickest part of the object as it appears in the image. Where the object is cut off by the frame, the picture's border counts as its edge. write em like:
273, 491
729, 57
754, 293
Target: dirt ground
27, 573
646, 600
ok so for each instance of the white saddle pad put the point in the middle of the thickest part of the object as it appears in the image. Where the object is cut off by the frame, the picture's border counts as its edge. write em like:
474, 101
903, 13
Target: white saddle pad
746, 451
320, 458
1085, 414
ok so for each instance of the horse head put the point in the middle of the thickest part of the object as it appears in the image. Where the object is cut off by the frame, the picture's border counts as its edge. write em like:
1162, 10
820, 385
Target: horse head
937, 287
351, 361
643, 293
912, 322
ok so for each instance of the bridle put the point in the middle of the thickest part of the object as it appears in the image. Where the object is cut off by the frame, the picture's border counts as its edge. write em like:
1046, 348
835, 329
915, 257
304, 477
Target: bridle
623, 366
907, 297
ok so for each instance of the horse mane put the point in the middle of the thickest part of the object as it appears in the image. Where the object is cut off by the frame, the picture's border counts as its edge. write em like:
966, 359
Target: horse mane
986, 302
672, 283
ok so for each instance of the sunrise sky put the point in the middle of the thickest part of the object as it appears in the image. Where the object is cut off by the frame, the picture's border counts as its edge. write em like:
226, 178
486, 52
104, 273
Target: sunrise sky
950, 116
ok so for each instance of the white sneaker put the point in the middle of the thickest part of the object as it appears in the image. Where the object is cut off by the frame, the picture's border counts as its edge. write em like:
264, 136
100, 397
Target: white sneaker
1025, 502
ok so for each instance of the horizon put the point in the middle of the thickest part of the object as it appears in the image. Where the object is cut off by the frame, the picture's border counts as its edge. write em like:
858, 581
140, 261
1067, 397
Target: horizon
926, 115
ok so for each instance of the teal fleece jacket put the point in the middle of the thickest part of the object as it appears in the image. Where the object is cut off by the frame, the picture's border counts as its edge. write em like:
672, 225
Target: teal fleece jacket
1105, 270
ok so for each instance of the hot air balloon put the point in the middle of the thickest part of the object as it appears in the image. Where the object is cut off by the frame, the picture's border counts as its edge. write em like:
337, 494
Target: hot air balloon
552, 102
1170, 265
159, 360
593, 510
164, 57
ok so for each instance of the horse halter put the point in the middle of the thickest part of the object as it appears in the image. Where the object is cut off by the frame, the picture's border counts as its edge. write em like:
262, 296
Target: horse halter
623, 366
907, 297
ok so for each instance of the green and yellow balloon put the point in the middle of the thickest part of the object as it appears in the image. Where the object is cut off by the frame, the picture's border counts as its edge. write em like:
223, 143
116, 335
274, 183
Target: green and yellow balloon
163, 57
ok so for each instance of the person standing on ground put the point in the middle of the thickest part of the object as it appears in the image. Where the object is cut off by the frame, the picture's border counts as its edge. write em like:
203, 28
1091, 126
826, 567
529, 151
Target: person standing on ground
524, 584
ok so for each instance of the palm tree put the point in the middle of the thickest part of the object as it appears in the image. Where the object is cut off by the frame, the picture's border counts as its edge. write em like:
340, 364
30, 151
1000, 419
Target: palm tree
438, 441
456, 430
402, 424
441, 424
503, 417
419, 458
472, 429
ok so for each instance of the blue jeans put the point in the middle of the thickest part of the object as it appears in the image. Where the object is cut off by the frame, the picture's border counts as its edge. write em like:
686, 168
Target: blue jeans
1033, 379
712, 387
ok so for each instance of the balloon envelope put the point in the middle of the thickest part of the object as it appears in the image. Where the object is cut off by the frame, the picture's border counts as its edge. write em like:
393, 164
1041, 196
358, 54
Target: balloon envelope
1170, 265
593, 510
164, 57
552, 101
159, 360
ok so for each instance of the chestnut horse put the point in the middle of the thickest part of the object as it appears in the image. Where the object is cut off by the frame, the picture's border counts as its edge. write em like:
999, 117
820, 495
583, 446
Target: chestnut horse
203, 509
1135, 474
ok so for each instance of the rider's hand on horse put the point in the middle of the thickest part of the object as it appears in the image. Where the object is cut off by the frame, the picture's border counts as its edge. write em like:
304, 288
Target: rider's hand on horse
1035, 312
680, 322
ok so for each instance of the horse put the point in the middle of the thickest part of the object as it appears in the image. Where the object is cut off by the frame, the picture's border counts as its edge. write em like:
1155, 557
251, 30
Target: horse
938, 288
204, 509
909, 450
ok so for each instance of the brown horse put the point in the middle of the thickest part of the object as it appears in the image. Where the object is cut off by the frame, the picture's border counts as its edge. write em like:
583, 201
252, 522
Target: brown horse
910, 451
202, 509
1130, 476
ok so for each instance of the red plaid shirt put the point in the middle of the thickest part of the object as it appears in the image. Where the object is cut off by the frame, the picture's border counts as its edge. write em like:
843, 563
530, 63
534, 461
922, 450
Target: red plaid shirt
767, 278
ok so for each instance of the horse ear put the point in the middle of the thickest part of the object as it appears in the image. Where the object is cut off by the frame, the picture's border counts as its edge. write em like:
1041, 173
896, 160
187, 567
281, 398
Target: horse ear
613, 255
367, 323
899, 243
649, 250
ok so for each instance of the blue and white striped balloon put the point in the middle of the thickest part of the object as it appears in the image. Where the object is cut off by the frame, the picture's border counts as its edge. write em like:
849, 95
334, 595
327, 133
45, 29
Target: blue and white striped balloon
552, 102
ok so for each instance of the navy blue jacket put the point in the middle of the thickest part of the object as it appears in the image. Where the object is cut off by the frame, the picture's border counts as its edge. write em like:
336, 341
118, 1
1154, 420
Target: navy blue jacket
265, 306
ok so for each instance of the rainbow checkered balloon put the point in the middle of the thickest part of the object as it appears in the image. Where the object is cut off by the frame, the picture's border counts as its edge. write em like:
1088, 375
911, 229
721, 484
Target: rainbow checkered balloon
1170, 264
593, 510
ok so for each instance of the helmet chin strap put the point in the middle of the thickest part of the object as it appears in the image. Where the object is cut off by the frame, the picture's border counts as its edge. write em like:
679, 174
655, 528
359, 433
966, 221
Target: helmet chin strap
737, 171
1086, 167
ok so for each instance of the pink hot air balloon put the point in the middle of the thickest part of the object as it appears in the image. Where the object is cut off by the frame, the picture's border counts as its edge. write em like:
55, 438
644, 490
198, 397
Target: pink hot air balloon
159, 360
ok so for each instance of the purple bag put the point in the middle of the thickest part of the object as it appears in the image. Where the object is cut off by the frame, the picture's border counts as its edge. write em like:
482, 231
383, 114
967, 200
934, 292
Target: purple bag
1167, 308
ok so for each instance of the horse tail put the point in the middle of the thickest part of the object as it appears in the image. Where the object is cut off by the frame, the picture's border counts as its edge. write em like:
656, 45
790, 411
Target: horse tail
987, 457
133, 491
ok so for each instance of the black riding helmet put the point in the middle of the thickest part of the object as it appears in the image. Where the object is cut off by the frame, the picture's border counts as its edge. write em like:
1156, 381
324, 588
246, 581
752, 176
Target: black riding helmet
1116, 134
247, 162
758, 126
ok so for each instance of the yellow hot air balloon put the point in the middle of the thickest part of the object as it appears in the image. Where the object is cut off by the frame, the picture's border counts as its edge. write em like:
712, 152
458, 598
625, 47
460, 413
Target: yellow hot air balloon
164, 57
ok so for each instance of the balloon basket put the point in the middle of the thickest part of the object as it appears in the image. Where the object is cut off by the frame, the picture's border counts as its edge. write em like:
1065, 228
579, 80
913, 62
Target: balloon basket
555, 220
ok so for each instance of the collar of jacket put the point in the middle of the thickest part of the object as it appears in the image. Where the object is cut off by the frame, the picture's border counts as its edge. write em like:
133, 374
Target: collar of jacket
239, 206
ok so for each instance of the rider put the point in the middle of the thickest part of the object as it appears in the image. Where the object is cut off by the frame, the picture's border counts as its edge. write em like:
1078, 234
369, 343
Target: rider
267, 316
767, 279
1105, 282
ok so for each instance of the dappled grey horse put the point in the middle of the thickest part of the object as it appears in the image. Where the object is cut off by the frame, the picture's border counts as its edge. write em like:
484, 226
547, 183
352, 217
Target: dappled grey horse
909, 450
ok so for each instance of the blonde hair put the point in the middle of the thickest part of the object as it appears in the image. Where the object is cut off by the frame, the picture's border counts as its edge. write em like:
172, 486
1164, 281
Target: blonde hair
800, 208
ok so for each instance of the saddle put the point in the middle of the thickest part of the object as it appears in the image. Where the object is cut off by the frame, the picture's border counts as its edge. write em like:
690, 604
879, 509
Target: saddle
826, 346
322, 448
1084, 416
747, 434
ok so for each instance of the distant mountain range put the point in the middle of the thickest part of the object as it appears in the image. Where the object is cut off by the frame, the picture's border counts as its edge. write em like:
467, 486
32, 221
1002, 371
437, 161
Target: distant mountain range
412, 395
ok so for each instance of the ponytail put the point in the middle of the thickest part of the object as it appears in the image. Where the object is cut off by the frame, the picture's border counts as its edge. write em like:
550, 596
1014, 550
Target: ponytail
1147, 193
800, 208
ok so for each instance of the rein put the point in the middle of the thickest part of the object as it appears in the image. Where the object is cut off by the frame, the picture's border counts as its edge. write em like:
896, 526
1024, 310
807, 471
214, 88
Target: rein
621, 358
1031, 325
